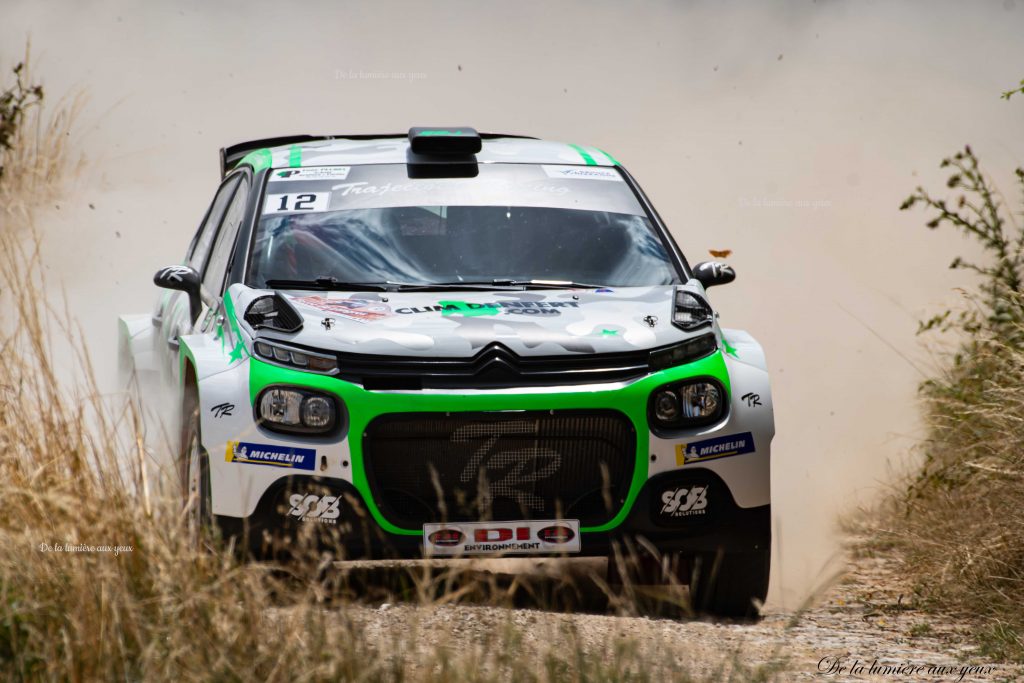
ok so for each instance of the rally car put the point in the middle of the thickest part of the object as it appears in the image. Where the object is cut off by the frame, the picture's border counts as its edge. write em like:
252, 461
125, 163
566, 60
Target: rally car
447, 344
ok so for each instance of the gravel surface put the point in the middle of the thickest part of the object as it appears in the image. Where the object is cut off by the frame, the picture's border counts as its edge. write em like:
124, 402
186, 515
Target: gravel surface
866, 619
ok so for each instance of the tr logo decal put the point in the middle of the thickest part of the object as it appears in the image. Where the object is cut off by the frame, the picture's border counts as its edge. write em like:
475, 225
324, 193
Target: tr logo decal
507, 474
752, 399
222, 409
174, 272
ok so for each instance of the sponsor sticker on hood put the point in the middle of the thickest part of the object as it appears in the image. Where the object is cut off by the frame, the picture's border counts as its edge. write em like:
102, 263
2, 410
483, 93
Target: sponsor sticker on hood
360, 310
473, 309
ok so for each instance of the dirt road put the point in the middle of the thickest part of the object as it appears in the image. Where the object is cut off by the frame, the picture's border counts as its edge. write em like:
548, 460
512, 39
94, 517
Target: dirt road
865, 622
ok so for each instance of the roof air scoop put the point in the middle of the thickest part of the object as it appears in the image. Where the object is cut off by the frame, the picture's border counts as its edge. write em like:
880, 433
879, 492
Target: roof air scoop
443, 152
444, 141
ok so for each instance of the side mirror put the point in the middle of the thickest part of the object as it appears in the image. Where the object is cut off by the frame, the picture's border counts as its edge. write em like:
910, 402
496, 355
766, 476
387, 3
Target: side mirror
711, 273
183, 279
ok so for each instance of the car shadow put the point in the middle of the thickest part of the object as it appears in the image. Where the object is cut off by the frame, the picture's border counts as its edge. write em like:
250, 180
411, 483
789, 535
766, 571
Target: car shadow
578, 585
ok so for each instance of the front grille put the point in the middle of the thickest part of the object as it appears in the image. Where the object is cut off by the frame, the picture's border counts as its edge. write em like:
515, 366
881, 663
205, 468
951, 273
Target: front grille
433, 467
495, 365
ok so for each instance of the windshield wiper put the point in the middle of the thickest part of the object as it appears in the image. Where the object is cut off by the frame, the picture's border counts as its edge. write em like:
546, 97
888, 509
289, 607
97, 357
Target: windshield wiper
469, 286
547, 284
499, 284
324, 283
328, 283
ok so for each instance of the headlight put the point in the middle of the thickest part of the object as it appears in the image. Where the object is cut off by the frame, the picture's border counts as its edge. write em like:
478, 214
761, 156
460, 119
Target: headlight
687, 404
691, 311
280, 354
683, 352
290, 409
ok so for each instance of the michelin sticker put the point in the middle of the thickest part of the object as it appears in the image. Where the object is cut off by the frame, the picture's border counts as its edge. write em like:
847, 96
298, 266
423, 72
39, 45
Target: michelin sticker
583, 173
297, 202
275, 456
710, 449
310, 173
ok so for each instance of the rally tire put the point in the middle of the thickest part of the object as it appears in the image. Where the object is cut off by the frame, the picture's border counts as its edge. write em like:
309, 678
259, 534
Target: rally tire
730, 584
195, 472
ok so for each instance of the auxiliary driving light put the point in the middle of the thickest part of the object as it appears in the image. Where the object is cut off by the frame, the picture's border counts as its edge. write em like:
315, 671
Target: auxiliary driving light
701, 400
666, 406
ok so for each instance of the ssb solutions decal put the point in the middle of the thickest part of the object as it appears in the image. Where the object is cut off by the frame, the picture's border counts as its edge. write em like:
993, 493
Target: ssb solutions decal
492, 308
710, 449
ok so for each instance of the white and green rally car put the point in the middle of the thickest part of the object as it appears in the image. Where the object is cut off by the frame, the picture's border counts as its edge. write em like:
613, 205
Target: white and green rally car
448, 344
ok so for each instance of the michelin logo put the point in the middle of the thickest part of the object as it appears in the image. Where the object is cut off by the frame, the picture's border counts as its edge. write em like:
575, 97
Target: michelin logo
275, 456
710, 449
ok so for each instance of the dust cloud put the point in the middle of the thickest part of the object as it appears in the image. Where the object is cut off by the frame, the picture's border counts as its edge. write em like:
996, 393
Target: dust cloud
788, 133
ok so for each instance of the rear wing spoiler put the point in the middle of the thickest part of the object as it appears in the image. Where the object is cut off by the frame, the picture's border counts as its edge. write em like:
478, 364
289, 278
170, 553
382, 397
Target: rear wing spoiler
231, 155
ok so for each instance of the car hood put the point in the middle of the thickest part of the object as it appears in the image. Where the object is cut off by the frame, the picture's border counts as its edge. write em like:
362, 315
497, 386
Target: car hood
459, 323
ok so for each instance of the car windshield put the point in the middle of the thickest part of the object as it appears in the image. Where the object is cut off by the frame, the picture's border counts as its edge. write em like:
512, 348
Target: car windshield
511, 223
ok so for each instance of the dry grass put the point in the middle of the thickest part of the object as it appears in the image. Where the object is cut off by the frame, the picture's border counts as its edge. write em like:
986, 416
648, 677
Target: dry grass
75, 479
960, 526
40, 156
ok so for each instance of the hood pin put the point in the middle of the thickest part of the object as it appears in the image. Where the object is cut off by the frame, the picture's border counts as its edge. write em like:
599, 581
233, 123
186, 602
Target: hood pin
651, 320
328, 323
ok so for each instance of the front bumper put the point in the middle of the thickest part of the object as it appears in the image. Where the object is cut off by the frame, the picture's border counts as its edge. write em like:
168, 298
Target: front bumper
722, 526
250, 499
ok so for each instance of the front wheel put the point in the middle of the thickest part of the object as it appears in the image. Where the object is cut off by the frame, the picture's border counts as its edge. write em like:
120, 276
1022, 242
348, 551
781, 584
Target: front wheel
195, 470
730, 584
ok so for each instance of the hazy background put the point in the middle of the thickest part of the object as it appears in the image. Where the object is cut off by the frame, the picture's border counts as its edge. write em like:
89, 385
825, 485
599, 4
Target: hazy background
787, 132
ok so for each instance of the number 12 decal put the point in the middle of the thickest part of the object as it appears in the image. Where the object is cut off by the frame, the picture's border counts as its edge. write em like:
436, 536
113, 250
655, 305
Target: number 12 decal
296, 202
